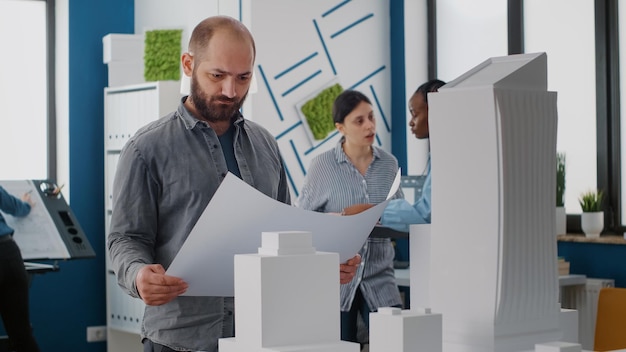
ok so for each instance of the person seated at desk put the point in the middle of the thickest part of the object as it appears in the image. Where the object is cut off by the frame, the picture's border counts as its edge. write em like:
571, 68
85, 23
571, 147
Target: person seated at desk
356, 170
14, 278
399, 213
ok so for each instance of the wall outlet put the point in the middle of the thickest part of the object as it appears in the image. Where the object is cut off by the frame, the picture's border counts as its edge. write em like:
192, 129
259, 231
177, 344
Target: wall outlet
96, 333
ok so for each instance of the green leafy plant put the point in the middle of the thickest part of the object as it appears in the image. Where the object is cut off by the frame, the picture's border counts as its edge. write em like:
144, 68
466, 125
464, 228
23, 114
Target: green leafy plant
162, 55
560, 179
318, 111
591, 201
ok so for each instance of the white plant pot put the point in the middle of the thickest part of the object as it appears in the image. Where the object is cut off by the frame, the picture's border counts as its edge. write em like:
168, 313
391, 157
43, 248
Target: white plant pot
561, 221
592, 223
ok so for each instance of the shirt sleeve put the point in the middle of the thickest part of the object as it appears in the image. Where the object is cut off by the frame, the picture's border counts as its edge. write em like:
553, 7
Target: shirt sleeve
399, 213
313, 194
13, 205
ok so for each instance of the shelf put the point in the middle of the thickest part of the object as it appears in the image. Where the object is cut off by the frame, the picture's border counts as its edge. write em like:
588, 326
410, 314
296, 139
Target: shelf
603, 239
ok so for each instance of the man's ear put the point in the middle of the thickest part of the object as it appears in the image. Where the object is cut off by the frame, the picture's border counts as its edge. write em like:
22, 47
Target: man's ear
187, 62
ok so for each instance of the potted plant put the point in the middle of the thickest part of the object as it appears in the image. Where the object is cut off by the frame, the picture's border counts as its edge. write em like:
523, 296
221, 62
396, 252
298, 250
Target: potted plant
561, 217
592, 218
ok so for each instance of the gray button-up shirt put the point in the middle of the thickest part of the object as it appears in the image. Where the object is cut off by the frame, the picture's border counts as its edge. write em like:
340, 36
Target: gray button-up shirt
166, 175
333, 183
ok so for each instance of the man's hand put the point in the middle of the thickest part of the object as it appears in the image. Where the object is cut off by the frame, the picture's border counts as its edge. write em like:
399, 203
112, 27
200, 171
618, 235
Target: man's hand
156, 288
356, 208
348, 269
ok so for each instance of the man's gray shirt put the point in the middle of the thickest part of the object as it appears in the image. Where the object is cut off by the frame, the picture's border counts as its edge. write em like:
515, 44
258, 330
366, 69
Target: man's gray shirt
166, 175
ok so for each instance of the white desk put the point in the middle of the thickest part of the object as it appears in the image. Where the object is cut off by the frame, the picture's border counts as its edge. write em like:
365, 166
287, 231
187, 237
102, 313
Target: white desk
403, 278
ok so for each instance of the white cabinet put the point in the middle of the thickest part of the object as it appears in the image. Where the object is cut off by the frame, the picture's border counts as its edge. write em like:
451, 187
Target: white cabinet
126, 109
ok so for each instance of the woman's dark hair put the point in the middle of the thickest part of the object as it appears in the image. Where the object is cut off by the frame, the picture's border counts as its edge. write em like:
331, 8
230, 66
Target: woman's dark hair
428, 87
346, 102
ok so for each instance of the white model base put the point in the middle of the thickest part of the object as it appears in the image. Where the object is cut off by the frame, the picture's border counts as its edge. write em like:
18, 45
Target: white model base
396, 330
558, 346
232, 345
569, 325
287, 298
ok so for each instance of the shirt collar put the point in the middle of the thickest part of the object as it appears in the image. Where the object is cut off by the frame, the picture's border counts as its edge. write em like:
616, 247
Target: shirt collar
191, 121
341, 156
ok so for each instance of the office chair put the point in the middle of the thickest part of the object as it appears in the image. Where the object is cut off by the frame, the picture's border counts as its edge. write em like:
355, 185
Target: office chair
610, 331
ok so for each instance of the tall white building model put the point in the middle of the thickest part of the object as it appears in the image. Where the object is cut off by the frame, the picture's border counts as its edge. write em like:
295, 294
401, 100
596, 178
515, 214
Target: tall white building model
287, 298
493, 273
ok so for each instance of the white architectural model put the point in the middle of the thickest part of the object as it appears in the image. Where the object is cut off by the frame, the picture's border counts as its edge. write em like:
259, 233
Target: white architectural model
287, 298
396, 330
487, 265
493, 255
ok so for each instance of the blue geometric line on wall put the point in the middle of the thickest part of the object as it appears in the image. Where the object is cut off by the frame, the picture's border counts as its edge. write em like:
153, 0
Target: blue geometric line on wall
367, 77
324, 141
378, 140
269, 90
332, 36
334, 8
296, 65
332, 66
380, 109
293, 184
301, 83
295, 151
288, 130
240, 12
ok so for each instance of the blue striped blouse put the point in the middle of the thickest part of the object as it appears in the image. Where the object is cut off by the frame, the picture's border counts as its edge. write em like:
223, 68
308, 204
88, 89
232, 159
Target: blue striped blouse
333, 183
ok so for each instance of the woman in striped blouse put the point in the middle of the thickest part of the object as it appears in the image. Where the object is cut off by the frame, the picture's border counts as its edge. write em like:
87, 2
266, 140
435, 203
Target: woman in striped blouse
356, 171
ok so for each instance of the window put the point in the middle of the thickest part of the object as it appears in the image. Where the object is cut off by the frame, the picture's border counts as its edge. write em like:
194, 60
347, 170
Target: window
565, 30
24, 89
468, 33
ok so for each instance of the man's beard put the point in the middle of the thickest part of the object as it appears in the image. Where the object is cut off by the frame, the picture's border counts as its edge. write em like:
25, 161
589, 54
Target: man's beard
213, 109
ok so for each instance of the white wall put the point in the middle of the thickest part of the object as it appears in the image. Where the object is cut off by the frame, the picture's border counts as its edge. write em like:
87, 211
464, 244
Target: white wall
308, 37
415, 57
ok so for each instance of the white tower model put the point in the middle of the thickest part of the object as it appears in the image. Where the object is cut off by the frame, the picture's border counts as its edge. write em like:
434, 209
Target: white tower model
287, 298
493, 254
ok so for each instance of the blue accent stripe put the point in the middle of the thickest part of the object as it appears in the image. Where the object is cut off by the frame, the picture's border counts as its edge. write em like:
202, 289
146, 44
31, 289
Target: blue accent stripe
240, 12
398, 83
324, 141
352, 25
282, 134
367, 77
380, 143
332, 66
293, 184
301, 83
295, 152
296, 65
380, 109
334, 8
269, 90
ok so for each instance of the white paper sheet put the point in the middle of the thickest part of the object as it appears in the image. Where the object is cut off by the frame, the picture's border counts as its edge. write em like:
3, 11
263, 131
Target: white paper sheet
233, 221
35, 234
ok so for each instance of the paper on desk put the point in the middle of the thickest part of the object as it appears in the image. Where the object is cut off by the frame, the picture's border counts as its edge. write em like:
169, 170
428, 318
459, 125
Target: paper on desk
233, 221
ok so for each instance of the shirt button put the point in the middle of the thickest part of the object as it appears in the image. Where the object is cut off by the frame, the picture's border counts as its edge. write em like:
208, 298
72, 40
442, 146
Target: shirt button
215, 146
223, 174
